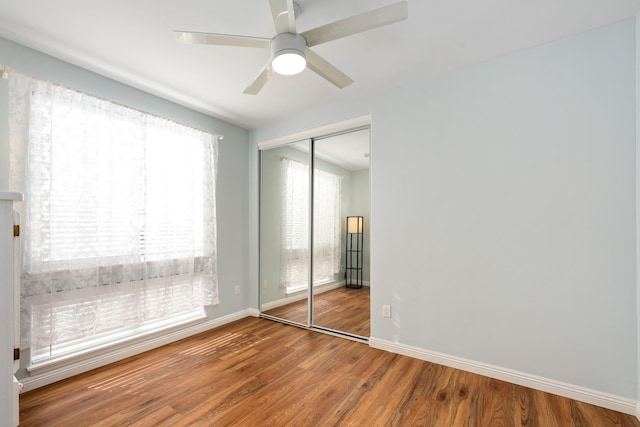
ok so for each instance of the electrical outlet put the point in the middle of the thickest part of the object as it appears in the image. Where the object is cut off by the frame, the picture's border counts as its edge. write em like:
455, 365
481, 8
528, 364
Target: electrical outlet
386, 310
265, 284
237, 290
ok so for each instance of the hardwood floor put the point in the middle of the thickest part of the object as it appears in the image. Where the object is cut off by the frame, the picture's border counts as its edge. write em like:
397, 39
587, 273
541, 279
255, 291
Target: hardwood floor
256, 372
341, 309
344, 310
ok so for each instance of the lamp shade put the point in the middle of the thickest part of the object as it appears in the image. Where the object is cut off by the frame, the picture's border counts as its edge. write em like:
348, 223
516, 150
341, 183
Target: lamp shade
354, 224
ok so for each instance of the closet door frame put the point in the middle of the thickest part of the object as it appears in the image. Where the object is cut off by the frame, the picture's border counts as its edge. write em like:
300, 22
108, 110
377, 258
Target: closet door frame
320, 133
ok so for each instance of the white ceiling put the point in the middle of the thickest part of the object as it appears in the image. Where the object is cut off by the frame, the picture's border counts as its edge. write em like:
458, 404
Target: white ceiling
132, 41
348, 150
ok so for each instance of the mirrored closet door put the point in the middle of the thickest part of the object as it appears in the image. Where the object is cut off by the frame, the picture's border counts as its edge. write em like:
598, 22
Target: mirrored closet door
314, 265
340, 257
284, 232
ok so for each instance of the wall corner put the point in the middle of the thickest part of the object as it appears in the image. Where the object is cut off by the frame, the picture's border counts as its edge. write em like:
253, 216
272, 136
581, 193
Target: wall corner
637, 195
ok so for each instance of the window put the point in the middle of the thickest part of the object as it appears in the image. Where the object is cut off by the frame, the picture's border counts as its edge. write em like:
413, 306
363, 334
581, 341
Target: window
119, 224
328, 194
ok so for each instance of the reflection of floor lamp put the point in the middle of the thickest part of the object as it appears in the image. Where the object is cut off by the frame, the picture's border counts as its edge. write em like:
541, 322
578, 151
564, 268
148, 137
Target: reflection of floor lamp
353, 274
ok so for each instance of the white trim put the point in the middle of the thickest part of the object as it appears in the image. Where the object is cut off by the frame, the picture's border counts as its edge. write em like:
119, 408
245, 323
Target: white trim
594, 397
638, 410
131, 349
253, 312
316, 132
102, 347
16, 401
301, 295
8, 401
318, 285
11, 196
284, 301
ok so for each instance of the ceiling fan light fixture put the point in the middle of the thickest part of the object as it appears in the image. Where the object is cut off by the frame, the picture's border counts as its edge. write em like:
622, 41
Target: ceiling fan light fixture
289, 63
288, 53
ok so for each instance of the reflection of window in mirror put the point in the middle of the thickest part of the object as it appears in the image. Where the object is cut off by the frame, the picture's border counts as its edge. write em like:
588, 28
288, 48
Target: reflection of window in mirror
342, 302
347, 155
284, 250
327, 208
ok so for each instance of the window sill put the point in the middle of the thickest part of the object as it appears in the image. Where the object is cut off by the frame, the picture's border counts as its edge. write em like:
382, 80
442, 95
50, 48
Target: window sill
55, 363
318, 284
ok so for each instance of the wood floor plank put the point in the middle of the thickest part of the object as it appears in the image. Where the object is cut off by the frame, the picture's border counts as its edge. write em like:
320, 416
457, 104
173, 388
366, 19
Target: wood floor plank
256, 372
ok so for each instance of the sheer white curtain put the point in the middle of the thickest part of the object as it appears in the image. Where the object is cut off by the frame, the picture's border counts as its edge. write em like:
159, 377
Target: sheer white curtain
326, 225
119, 224
295, 225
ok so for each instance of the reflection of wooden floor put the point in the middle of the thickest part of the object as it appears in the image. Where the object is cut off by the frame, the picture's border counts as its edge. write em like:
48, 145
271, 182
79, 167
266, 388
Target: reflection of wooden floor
341, 309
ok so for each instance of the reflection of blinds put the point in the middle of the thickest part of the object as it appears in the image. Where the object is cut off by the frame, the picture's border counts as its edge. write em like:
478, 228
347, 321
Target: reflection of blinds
295, 225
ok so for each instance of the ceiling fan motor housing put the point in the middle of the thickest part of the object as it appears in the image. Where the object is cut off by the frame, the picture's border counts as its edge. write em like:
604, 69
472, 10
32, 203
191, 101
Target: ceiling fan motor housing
288, 51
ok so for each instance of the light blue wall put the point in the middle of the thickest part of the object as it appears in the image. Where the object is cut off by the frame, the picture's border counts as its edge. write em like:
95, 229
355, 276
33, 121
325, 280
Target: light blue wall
233, 151
515, 180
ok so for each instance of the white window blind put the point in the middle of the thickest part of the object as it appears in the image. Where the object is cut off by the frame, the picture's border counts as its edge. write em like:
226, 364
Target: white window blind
295, 225
120, 233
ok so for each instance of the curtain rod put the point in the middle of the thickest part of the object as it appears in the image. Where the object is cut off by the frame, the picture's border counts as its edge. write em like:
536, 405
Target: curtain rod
283, 158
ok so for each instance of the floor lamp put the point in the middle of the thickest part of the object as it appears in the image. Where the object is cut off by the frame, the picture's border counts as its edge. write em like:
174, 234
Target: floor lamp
353, 252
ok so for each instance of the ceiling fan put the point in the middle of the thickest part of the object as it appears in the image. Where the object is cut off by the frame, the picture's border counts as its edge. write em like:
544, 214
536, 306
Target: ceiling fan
290, 53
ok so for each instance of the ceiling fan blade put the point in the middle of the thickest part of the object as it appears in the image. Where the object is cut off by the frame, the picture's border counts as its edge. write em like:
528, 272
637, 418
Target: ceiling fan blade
283, 17
357, 24
318, 65
187, 37
258, 83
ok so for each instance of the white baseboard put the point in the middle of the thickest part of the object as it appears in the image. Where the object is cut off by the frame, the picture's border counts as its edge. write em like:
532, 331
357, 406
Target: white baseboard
283, 301
131, 349
301, 295
571, 391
